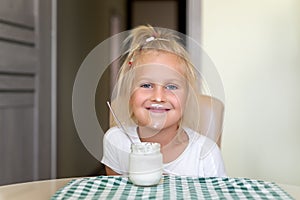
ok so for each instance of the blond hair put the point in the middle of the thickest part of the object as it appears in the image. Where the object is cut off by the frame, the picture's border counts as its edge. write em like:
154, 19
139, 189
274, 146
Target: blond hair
144, 38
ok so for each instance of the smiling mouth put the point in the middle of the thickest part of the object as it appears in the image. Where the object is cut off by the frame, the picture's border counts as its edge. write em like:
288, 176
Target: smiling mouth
157, 108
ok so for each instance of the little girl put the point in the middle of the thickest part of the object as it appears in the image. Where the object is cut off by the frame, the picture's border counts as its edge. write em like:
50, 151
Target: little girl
156, 101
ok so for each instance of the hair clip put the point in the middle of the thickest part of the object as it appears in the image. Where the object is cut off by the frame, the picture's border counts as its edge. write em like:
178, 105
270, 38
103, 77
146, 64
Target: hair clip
130, 62
149, 39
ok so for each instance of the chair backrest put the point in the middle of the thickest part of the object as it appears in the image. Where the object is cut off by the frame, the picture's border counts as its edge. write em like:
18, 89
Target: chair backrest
211, 120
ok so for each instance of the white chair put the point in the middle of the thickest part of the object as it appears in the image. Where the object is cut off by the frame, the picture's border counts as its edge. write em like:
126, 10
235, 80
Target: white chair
211, 120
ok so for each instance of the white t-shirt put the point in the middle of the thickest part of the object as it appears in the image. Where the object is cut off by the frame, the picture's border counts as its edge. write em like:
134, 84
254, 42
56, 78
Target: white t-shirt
201, 158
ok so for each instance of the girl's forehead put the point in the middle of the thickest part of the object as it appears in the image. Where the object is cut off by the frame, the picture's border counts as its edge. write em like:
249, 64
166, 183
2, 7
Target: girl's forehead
158, 73
155, 58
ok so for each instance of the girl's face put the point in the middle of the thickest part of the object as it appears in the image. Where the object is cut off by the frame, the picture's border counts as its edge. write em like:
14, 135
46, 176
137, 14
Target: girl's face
160, 90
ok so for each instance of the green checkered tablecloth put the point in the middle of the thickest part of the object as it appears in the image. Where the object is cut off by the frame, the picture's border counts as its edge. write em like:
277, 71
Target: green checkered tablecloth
171, 187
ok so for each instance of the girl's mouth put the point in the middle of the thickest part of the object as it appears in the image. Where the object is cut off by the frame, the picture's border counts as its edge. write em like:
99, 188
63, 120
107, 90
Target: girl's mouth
157, 108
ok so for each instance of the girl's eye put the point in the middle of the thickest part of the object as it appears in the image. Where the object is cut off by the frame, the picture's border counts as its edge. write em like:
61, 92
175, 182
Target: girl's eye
171, 87
146, 85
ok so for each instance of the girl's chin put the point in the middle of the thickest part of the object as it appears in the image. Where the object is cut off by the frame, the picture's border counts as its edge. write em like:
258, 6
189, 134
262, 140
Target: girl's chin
156, 121
149, 131
153, 126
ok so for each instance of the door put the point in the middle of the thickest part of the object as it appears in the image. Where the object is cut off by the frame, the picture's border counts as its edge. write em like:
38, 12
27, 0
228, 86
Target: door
25, 91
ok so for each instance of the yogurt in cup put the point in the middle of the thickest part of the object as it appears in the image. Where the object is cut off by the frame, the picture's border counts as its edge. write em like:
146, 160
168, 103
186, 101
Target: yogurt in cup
145, 164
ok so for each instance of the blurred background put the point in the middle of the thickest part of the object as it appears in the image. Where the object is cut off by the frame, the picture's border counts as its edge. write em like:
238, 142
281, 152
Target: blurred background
255, 46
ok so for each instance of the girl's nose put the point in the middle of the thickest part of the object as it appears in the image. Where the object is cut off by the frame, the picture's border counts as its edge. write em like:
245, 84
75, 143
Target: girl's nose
158, 94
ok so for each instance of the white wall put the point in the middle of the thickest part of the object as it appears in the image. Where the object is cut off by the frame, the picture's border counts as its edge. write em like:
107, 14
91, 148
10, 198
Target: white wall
255, 46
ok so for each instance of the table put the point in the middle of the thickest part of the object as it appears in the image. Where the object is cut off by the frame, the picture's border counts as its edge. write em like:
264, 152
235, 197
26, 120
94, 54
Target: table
32, 190
46, 189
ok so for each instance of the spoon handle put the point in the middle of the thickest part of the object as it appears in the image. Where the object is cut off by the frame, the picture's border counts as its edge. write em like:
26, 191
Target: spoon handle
118, 122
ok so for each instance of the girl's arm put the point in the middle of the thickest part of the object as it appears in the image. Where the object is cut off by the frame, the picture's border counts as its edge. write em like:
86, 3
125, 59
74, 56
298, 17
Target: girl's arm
110, 172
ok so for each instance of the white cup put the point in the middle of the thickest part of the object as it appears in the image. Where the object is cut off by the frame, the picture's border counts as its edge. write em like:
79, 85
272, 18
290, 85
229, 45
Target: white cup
145, 164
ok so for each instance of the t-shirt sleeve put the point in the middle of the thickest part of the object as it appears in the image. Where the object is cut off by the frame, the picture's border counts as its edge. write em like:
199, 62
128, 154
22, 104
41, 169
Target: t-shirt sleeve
214, 164
114, 154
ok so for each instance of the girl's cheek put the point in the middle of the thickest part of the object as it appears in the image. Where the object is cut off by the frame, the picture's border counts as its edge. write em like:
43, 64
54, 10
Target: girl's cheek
179, 96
